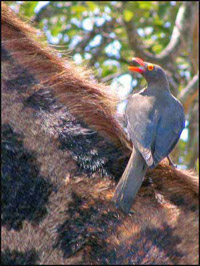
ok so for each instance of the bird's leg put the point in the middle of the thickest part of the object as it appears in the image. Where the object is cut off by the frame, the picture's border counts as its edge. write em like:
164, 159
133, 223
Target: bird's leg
171, 162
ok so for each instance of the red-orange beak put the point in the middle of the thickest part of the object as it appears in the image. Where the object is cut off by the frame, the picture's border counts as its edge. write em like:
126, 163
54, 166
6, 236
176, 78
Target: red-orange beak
139, 69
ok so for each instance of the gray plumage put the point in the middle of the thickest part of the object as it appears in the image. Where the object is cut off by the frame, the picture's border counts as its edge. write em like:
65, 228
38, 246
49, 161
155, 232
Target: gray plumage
155, 120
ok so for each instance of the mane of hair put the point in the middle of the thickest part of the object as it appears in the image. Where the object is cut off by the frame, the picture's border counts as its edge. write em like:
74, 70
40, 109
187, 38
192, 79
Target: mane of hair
93, 102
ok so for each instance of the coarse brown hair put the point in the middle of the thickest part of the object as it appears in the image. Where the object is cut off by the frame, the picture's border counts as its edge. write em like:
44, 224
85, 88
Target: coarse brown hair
63, 76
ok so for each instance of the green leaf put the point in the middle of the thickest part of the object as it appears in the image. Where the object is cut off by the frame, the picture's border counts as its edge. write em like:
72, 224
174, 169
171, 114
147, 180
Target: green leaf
146, 5
92, 6
29, 7
71, 33
55, 31
127, 15
157, 48
78, 9
162, 9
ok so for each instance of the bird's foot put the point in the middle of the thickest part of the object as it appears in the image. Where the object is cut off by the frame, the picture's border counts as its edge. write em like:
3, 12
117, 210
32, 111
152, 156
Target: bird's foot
171, 162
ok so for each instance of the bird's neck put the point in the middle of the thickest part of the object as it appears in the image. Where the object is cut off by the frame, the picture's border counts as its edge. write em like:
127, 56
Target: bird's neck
159, 85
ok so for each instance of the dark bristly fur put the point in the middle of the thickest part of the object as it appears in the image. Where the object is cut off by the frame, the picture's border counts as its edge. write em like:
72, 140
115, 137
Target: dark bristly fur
62, 150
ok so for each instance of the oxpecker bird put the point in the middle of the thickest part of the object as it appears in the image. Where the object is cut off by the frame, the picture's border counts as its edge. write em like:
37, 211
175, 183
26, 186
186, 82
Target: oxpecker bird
154, 119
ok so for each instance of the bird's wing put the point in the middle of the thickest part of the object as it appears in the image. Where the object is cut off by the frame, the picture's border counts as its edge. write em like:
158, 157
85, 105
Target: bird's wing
168, 131
140, 126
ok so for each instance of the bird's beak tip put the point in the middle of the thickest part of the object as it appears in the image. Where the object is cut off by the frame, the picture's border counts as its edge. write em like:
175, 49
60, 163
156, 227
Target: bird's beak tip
139, 69
136, 69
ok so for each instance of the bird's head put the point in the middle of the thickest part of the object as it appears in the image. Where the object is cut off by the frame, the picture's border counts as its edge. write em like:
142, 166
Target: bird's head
151, 72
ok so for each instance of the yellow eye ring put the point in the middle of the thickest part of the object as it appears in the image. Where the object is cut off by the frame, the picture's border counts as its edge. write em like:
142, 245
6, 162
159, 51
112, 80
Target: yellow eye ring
150, 67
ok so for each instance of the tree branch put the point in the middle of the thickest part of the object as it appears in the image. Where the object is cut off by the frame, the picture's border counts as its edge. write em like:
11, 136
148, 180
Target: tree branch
121, 59
193, 135
45, 11
112, 76
107, 26
189, 93
182, 23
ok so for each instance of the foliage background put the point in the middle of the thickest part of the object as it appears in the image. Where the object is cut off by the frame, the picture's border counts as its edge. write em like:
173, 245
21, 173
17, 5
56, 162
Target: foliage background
105, 35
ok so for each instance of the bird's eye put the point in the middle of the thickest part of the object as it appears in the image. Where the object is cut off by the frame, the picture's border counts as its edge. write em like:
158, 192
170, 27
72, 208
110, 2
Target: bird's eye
150, 67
